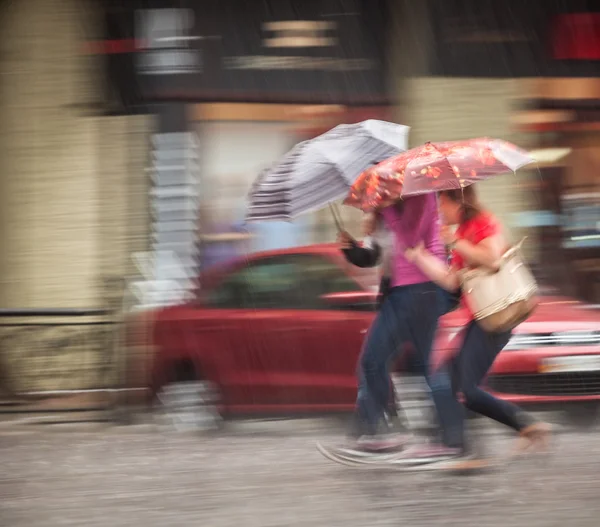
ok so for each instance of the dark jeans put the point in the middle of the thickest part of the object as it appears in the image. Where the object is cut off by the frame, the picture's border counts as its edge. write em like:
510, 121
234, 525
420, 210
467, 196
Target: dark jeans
471, 365
384, 290
408, 314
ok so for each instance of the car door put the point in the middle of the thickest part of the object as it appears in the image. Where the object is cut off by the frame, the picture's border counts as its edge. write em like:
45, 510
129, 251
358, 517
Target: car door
252, 314
232, 325
320, 369
308, 347
287, 349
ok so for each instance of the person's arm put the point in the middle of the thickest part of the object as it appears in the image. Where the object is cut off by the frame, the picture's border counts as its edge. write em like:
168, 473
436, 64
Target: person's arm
433, 267
486, 253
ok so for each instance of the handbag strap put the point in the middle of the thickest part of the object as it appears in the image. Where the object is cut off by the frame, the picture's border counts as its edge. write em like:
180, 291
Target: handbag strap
512, 249
517, 246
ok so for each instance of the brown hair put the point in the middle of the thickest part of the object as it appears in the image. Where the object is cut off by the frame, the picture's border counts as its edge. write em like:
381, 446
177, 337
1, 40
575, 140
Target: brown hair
397, 205
467, 197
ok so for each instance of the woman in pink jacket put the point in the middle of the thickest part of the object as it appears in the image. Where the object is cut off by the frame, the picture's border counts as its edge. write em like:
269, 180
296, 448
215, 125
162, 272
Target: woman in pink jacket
409, 314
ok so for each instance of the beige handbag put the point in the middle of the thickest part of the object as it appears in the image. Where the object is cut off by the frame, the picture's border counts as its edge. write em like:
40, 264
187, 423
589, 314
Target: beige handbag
500, 300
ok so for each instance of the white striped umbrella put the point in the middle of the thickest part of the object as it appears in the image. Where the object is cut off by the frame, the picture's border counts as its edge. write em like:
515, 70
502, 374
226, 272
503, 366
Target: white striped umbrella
321, 170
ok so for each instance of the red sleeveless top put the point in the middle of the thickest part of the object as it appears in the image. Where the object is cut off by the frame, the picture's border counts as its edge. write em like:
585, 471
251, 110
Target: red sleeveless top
474, 230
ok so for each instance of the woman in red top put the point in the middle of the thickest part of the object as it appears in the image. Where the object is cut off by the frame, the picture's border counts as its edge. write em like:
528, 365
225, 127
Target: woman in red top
478, 241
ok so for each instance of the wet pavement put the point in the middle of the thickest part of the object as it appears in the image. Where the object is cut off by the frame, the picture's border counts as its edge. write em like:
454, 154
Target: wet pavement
271, 475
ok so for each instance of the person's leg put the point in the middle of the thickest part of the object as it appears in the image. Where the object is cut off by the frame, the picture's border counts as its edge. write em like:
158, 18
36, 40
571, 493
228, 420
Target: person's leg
374, 387
425, 308
477, 354
357, 427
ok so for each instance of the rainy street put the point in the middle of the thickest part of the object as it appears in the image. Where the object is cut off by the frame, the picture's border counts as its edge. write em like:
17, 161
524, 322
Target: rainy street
231, 209
270, 474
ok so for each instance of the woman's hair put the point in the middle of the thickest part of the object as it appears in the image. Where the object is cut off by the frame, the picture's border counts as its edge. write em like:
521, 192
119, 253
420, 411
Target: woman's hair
399, 206
378, 220
467, 197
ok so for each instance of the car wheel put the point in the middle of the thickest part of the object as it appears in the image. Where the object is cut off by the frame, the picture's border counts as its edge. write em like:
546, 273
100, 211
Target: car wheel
187, 403
414, 404
582, 415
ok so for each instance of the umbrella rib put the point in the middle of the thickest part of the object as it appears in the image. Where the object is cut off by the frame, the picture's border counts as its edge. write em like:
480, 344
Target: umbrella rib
457, 175
444, 158
315, 172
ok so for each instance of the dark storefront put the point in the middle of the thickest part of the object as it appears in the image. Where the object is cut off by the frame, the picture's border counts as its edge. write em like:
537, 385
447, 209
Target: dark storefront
285, 51
515, 38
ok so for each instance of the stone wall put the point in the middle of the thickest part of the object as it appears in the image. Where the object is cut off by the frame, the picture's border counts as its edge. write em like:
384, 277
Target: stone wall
441, 109
72, 183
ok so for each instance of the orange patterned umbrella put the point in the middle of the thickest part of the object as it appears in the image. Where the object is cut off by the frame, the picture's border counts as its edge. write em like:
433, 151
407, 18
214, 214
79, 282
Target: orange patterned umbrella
433, 167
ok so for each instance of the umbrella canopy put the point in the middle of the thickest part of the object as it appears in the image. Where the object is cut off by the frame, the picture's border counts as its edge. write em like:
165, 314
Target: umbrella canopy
321, 170
434, 167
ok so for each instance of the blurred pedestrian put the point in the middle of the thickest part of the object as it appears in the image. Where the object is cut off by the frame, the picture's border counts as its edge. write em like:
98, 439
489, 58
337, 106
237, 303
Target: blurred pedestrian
409, 314
477, 242
375, 249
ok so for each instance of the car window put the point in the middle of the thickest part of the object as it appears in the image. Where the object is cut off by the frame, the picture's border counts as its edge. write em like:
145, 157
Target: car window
321, 276
282, 282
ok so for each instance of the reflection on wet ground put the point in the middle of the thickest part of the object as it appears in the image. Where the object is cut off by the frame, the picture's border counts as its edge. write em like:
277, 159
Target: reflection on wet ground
134, 476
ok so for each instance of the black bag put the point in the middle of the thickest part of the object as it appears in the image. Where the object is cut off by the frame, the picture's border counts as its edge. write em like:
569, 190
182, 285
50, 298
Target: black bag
369, 257
362, 256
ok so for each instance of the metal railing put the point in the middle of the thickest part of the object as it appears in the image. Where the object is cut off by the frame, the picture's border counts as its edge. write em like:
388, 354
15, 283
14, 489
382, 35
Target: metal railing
66, 357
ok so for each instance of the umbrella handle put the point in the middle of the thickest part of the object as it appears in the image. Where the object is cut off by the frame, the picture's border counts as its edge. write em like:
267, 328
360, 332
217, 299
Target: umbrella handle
338, 221
336, 218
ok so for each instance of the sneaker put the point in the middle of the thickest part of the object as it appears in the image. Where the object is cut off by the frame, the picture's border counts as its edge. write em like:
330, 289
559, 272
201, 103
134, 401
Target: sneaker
430, 453
381, 443
441, 457
466, 463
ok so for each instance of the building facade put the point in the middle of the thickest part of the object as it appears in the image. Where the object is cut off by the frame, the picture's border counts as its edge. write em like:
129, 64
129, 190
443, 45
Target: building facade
522, 71
77, 140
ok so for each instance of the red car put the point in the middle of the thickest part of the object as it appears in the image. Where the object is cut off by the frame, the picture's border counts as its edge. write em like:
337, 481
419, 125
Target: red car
280, 333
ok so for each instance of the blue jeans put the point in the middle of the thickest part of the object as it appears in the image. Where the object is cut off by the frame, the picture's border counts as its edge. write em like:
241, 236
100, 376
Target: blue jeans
408, 314
471, 365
